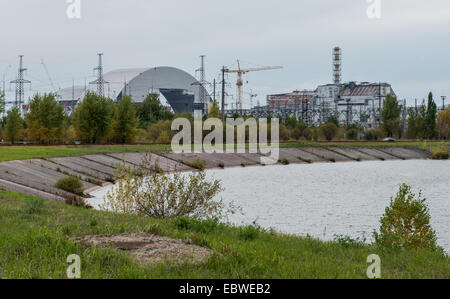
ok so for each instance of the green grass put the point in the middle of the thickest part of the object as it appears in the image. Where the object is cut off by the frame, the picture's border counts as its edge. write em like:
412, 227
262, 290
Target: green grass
360, 144
35, 243
11, 153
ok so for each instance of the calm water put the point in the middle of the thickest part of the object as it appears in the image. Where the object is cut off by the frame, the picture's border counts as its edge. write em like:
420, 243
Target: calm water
324, 200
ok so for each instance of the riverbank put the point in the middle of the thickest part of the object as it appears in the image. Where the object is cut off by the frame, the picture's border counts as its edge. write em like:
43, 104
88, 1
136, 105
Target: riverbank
35, 240
24, 152
39, 176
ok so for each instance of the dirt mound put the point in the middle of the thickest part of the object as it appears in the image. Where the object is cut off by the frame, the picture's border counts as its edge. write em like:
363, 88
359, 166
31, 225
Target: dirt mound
150, 249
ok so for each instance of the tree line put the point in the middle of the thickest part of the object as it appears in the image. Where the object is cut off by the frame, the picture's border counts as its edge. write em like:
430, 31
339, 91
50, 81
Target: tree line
95, 120
99, 120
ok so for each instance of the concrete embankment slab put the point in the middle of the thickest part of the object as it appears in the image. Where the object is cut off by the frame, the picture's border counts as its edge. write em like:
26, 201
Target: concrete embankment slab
67, 162
377, 154
18, 175
215, 160
249, 159
167, 165
354, 153
67, 171
13, 187
51, 176
405, 153
305, 155
327, 154
292, 155
94, 165
108, 161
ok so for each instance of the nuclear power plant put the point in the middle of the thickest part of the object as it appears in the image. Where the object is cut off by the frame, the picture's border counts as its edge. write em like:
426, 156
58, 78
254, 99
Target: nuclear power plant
349, 102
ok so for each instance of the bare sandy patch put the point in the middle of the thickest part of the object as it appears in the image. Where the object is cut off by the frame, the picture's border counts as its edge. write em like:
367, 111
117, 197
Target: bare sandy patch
149, 248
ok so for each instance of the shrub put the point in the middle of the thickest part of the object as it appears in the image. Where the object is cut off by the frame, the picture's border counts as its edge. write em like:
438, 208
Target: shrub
440, 153
284, 161
70, 184
221, 165
374, 134
149, 193
197, 164
309, 161
296, 134
352, 134
308, 134
406, 223
329, 130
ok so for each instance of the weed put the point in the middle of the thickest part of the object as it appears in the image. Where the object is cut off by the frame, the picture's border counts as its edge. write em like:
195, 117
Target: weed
33, 206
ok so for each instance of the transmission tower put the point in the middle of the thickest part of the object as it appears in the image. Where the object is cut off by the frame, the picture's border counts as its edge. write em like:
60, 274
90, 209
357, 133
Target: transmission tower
202, 93
100, 82
20, 83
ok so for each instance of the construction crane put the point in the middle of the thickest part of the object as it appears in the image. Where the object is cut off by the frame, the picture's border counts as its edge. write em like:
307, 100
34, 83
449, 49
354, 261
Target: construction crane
49, 78
240, 82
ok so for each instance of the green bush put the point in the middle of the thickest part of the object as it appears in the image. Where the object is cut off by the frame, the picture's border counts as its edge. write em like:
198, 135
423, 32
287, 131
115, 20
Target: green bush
440, 153
197, 164
70, 184
284, 161
352, 134
406, 223
329, 131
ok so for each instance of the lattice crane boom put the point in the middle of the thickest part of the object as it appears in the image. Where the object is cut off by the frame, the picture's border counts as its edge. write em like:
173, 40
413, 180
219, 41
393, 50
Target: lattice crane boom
240, 82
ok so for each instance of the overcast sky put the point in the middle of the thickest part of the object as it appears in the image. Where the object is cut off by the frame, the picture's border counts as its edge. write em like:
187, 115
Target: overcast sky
409, 46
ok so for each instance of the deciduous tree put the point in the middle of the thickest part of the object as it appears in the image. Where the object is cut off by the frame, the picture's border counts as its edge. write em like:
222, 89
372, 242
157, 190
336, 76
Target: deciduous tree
14, 125
45, 119
126, 121
151, 111
443, 124
390, 116
93, 117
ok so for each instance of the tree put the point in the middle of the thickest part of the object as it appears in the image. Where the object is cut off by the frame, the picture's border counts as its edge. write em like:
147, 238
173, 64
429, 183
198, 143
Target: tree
93, 117
406, 223
45, 120
390, 116
413, 129
14, 125
329, 130
430, 118
443, 124
126, 121
214, 111
151, 111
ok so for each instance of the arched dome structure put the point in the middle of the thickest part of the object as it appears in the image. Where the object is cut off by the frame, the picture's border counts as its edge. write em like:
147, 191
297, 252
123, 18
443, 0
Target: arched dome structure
180, 89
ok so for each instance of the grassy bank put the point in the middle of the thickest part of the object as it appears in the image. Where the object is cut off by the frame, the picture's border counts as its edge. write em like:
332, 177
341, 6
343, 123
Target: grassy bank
34, 243
11, 153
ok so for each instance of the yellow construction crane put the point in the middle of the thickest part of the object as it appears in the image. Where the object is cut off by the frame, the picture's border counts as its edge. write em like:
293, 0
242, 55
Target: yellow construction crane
240, 81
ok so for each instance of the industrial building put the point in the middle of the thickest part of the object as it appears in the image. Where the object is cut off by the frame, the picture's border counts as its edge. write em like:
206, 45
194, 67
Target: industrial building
178, 88
350, 102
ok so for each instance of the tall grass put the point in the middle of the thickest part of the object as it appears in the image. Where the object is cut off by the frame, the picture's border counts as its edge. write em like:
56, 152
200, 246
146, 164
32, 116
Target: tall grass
37, 245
